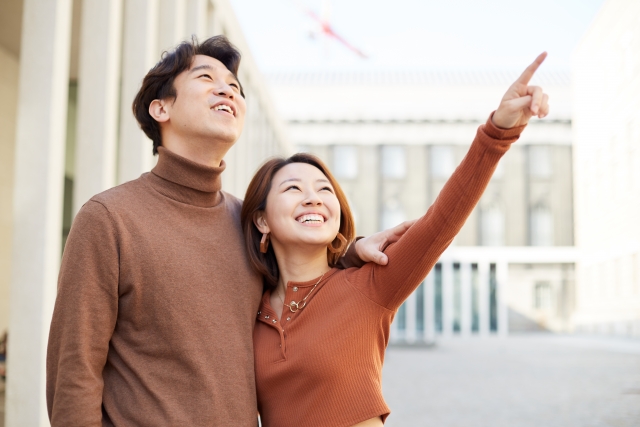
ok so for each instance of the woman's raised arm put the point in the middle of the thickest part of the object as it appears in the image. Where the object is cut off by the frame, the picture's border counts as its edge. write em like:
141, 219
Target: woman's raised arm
417, 251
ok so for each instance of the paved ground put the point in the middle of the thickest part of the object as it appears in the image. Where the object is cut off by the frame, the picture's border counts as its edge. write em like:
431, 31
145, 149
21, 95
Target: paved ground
523, 381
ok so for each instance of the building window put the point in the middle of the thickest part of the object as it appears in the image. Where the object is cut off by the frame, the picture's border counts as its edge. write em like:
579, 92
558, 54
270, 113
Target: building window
493, 298
475, 309
542, 296
345, 161
394, 163
491, 226
539, 161
437, 291
457, 298
392, 214
442, 163
541, 226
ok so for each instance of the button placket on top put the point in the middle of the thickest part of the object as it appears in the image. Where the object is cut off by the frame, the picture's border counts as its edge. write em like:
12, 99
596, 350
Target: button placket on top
295, 291
268, 316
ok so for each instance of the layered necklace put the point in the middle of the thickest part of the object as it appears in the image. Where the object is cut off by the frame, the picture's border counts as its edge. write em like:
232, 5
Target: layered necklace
295, 306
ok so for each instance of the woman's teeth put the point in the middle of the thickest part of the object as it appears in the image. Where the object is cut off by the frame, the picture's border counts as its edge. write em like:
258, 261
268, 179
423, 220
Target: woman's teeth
311, 218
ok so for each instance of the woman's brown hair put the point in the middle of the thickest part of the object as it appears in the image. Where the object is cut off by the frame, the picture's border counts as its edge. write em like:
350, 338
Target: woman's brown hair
255, 200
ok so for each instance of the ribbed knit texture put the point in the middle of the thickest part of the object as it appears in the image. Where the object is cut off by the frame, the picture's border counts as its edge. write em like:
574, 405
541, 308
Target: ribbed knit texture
322, 366
156, 307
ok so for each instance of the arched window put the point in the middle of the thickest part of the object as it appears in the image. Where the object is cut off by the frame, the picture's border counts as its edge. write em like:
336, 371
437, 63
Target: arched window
492, 226
539, 160
392, 214
345, 161
394, 163
441, 161
541, 226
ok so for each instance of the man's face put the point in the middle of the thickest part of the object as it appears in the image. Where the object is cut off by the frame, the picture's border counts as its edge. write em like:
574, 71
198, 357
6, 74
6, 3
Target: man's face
208, 105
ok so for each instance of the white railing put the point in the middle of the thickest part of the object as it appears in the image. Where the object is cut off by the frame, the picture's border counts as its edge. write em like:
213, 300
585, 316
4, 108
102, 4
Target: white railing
466, 293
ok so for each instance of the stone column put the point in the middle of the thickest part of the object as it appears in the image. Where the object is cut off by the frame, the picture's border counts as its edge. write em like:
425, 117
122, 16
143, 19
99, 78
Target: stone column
465, 299
429, 309
140, 53
9, 69
447, 298
171, 23
197, 18
98, 87
39, 177
502, 279
483, 297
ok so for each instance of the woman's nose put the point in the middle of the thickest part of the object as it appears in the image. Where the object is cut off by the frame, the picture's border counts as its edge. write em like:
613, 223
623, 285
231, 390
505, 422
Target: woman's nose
312, 200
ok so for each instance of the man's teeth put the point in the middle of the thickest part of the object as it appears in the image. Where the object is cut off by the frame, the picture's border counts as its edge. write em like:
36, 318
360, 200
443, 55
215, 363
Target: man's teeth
311, 218
223, 107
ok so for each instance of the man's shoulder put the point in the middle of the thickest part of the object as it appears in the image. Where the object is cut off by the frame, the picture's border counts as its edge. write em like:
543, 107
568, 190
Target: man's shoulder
232, 202
122, 195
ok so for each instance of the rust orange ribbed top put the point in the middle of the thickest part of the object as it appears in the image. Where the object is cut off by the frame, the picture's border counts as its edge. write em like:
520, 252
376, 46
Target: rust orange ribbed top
322, 366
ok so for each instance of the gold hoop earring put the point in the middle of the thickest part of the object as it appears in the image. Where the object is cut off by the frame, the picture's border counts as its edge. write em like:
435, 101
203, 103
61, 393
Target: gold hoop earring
264, 243
343, 243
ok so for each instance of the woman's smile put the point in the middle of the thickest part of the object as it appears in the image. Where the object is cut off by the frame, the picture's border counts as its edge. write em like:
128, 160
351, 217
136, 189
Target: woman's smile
311, 219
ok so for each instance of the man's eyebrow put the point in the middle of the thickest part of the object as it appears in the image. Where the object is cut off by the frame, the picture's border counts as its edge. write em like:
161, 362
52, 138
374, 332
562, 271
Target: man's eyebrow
201, 67
209, 67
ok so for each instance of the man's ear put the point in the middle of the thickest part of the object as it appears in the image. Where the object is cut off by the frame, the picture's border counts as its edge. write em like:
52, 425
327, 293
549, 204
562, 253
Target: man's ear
158, 110
261, 222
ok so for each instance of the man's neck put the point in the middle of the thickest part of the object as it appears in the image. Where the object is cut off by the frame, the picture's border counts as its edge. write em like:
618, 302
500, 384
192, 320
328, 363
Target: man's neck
209, 153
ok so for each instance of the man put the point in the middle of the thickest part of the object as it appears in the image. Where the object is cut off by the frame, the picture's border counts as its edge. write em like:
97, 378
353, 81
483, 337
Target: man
156, 298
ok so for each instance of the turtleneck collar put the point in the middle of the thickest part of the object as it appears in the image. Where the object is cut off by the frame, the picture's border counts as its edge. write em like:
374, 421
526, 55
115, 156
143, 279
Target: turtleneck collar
186, 181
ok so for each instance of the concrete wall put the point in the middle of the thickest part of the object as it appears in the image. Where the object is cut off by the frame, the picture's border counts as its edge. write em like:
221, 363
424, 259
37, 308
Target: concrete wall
606, 92
8, 108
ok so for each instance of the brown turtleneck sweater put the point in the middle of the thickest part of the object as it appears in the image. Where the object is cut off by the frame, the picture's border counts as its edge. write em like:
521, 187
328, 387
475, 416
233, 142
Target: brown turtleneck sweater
156, 306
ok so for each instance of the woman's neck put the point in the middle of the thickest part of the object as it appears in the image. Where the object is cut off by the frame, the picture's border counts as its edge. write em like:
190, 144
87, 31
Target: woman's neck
297, 265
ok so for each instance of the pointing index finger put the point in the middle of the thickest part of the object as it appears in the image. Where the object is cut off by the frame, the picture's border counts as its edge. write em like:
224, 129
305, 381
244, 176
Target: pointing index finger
531, 69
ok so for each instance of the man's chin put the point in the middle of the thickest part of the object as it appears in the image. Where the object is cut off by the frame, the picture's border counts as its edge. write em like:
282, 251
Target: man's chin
225, 139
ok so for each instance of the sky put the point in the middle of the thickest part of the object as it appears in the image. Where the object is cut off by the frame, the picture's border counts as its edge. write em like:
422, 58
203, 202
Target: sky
414, 34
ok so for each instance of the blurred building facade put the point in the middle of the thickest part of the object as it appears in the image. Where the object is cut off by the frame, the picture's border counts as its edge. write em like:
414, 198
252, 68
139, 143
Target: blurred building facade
606, 92
393, 139
69, 70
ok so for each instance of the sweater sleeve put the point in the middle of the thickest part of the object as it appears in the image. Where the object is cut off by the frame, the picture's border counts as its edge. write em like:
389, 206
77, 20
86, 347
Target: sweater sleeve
415, 254
83, 321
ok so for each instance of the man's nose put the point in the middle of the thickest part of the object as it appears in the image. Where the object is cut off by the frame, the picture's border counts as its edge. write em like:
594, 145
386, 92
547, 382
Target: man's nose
225, 90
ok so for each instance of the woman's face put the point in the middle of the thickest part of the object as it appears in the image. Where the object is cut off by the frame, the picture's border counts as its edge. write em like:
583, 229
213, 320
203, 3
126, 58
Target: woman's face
302, 207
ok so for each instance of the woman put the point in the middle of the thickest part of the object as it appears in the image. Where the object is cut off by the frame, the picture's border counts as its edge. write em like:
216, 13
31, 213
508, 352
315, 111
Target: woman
322, 332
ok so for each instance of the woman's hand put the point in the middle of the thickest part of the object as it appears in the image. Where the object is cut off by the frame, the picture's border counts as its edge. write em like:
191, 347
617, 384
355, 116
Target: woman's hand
370, 248
522, 101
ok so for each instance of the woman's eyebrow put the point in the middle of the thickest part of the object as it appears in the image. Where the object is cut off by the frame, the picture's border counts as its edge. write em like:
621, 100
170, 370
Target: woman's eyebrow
299, 180
290, 180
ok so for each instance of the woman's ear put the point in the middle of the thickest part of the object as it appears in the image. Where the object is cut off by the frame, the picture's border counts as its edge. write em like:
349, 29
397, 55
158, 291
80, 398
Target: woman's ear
260, 222
158, 111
